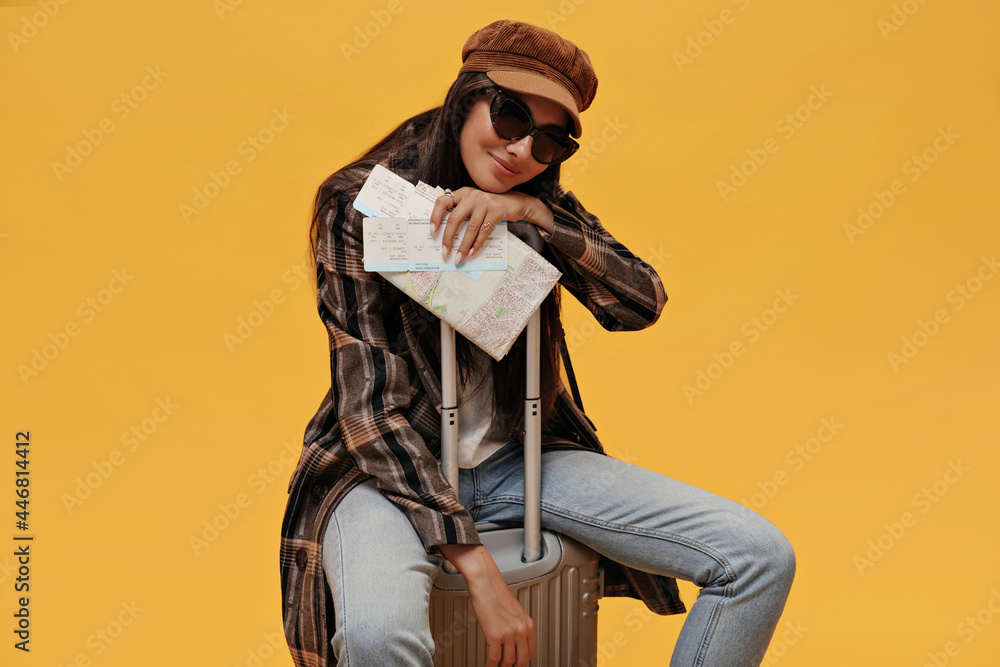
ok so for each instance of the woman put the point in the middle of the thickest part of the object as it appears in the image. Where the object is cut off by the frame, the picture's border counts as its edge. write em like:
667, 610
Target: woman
370, 514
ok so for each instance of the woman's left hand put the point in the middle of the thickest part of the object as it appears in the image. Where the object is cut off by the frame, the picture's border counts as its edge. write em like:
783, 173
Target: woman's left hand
483, 210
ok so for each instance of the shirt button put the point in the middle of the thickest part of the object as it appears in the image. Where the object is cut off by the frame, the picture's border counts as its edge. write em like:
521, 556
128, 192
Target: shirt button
319, 490
301, 557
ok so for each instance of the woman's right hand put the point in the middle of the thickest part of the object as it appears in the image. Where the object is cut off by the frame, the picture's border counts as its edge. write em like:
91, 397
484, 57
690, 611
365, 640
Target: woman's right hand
510, 632
483, 210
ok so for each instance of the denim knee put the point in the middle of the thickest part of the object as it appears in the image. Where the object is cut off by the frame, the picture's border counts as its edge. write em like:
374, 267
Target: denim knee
784, 557
771, 553
750, 550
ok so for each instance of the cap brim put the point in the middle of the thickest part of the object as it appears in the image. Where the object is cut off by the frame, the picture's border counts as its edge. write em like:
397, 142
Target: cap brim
536, 84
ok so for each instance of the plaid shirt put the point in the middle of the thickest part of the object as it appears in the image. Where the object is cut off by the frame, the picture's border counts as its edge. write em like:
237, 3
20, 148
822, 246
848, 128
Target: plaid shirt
381, 416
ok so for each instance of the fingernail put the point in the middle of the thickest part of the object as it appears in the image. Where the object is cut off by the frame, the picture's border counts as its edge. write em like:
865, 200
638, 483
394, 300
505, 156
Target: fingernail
444, 251
458, 257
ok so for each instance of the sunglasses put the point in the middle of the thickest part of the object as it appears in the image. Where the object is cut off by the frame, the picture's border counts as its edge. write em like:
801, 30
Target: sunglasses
512, 121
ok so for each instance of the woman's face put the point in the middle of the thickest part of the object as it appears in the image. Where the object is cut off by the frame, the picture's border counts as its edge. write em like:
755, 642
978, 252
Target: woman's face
496, 164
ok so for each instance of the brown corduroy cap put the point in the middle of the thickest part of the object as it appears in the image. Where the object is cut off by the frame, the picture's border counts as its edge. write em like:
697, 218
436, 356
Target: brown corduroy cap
524, 58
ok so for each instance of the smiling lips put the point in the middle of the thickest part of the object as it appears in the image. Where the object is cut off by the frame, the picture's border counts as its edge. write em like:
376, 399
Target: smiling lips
502, 168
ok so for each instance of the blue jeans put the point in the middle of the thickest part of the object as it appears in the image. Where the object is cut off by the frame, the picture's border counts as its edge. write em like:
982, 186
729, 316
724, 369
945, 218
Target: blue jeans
380, 576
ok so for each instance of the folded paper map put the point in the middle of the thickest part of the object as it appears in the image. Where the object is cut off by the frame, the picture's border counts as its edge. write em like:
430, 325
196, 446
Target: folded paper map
489, 307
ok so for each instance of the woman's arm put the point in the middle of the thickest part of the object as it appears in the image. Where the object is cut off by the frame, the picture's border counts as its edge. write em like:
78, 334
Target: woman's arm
509, 631
622, 291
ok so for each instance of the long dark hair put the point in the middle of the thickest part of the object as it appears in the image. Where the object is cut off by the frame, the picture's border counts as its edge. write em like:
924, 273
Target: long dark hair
428, 144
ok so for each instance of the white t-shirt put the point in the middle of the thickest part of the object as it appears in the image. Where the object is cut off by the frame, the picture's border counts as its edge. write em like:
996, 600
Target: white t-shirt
476, 440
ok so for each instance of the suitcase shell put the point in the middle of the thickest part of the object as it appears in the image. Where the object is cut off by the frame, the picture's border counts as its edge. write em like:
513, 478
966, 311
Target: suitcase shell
559, 585
560, 593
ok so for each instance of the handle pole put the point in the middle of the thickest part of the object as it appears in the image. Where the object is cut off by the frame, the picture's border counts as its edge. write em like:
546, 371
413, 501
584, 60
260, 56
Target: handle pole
449, 405
533, 444
449, 414
532, 418
532, 415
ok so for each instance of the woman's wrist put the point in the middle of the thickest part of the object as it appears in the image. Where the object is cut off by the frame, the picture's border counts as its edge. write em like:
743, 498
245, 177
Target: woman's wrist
537, 213
467, 559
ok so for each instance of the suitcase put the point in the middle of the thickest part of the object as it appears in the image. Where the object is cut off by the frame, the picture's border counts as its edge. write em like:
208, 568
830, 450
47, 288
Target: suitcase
555, 578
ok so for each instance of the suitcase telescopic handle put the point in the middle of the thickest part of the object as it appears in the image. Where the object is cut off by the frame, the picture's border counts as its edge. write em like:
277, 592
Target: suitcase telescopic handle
532, 418
532, 413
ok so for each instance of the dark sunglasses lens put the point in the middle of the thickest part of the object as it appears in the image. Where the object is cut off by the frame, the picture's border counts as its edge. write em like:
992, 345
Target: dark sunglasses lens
511, 121
549, 147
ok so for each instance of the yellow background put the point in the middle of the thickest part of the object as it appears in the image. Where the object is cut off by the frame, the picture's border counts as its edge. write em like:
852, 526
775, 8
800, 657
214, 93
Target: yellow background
681, 128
